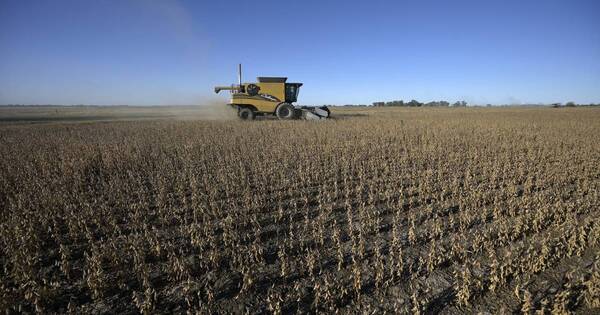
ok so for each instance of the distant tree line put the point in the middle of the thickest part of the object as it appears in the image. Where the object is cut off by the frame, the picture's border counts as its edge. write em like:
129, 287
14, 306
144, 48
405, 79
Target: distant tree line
415, 103
572, 104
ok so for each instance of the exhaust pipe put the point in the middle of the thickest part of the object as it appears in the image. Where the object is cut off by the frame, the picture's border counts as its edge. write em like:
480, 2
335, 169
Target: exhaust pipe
239, 88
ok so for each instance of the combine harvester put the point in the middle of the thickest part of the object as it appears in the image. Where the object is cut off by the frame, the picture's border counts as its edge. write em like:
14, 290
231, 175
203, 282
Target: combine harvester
270, 96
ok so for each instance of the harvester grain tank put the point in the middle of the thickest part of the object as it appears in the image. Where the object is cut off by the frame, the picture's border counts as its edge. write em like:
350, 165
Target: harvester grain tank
270, 96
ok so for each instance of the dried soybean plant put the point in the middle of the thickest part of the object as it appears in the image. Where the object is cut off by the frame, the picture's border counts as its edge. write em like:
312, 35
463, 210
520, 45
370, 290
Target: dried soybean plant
450, 210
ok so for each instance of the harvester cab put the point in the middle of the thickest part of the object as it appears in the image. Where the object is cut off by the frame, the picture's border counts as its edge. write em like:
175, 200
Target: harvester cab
270, 96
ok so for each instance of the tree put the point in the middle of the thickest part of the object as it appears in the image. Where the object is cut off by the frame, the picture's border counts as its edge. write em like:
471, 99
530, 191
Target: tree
414, 103
395, 103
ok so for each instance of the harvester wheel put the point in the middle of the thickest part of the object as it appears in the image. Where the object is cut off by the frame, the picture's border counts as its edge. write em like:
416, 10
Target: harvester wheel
285, 111
246, 113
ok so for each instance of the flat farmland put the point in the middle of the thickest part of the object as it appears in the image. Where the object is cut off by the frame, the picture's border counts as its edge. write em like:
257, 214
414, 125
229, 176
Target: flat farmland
378, 210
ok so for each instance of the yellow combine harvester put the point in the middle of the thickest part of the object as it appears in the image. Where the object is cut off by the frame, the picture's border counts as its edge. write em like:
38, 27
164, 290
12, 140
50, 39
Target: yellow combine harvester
270, 96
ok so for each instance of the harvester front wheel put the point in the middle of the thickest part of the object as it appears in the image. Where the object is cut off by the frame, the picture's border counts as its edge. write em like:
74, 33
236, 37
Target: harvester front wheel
285, 111
246, 113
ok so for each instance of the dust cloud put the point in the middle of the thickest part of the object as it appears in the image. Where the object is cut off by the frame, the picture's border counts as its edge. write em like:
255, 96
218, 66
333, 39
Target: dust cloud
217, 109
207, 108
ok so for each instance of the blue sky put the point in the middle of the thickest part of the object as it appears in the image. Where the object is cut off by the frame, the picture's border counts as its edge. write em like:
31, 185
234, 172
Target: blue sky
146, 52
